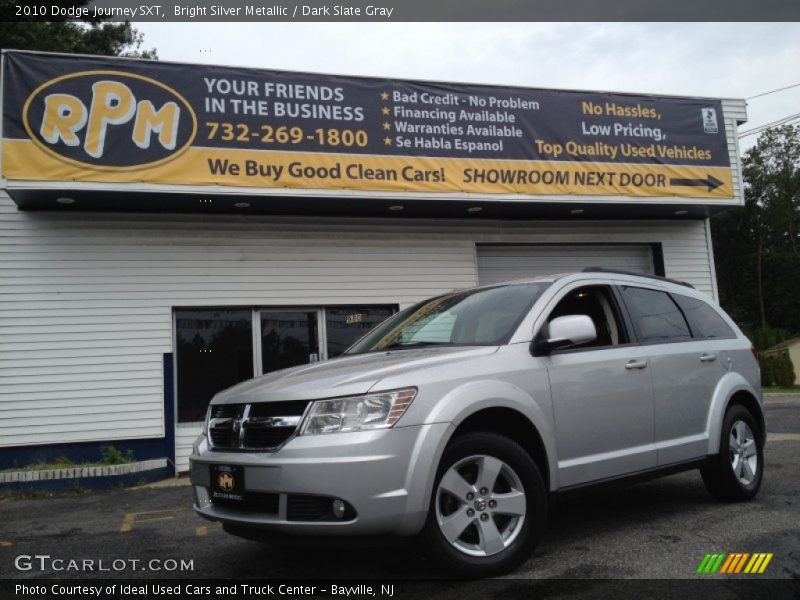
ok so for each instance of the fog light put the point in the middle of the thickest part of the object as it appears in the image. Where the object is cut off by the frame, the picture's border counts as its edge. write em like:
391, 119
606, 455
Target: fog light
338, 509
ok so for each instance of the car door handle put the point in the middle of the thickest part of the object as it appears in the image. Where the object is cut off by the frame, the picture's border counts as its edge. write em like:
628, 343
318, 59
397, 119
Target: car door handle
708, 357
635, 364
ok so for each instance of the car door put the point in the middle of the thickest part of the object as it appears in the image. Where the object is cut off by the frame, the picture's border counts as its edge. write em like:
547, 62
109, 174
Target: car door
685, 366
684, 428
602, 394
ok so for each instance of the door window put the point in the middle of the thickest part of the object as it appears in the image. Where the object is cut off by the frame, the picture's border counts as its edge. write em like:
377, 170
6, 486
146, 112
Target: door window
655, 315
214, 350
705, 322
596, 302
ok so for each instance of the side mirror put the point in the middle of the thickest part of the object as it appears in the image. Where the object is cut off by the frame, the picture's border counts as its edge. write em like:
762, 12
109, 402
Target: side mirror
566, 331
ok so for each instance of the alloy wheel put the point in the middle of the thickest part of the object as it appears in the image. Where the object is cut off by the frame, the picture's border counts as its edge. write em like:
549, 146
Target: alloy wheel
480, 505
743, 453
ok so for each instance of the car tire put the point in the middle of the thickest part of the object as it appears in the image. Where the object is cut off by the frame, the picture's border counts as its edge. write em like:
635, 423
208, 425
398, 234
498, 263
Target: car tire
474, 531
735, 474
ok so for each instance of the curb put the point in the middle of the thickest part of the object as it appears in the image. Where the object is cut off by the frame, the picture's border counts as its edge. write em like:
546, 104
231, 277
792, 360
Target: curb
99, 477
81, 472
781, 399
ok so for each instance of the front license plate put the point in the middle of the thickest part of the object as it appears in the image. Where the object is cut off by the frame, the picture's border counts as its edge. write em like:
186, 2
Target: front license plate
227, 482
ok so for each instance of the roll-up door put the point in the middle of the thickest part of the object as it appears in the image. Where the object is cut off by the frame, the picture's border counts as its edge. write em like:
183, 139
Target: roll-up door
505, 262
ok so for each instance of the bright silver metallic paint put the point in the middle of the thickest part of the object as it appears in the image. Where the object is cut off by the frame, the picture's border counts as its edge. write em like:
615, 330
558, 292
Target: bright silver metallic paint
599, 413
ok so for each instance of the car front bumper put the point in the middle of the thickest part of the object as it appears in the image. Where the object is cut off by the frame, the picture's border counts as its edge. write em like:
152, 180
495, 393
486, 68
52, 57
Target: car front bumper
385, 475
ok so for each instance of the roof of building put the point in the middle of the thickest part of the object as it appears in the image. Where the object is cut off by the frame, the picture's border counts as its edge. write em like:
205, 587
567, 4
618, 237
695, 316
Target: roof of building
784, 345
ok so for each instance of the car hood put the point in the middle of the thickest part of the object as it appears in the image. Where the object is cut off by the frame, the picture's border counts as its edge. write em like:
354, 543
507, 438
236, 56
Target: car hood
344, 376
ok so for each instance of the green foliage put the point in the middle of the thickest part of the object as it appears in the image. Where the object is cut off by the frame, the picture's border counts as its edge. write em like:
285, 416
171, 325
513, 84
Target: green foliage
108, 39
767, 370
112, 456
59, 462
757, 247
764, 338
777, 370
785, 375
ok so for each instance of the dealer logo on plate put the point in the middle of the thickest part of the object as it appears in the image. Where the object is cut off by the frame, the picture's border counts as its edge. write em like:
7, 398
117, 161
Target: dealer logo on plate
225, 482
109, 120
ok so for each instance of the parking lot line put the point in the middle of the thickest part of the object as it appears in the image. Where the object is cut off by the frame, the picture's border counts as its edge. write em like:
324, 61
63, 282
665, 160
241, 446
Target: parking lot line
783, 437
130, 518
202, 530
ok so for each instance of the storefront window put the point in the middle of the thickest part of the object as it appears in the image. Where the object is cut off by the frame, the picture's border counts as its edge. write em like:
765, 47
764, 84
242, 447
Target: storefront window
215, 347
288, 339
214, 352
345, 325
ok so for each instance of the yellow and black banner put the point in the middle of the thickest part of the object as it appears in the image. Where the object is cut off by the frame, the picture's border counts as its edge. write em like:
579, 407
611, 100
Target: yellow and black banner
129, 121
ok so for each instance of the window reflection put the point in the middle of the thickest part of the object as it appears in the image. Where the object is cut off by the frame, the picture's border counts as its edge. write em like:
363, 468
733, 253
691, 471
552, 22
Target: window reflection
214, 352
346, 324
288, 339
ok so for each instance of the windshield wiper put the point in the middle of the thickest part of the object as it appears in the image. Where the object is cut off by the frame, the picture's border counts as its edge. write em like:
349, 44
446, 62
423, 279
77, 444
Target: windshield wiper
414, 345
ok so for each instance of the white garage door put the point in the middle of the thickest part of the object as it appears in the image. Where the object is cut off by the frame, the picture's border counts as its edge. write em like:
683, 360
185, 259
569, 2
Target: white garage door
506, 262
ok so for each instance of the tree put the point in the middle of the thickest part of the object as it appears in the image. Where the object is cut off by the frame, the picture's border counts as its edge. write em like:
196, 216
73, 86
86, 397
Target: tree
758, 247
785, 376
85, 37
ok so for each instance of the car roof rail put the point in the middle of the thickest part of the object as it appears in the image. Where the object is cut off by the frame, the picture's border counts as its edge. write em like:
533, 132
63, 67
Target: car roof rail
647, 275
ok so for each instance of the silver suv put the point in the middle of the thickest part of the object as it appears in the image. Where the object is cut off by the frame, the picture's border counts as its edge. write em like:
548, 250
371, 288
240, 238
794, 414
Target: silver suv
460, 418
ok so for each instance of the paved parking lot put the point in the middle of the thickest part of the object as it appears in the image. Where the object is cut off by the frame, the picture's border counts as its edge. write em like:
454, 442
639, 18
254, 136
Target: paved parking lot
659, 529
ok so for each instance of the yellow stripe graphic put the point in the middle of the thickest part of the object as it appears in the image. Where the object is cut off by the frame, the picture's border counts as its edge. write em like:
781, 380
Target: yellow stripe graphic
765, 563
754, 562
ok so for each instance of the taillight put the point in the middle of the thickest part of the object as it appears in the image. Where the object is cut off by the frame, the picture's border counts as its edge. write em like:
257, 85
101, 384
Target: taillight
755, 354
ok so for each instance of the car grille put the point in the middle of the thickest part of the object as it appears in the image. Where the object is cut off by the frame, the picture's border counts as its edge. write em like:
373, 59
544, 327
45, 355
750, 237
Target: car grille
261, 427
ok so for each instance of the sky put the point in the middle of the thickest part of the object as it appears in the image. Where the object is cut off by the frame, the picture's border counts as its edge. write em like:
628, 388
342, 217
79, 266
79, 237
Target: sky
719, 60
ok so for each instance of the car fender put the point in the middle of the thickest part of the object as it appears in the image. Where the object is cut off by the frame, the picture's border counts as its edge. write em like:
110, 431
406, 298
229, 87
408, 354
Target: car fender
727, 386
465, 400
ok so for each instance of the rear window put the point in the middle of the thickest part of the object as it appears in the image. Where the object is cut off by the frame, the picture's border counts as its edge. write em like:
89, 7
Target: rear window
655, 316
706, 323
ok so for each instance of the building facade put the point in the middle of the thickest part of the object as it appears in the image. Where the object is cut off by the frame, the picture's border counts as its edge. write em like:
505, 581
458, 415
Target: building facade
124, 306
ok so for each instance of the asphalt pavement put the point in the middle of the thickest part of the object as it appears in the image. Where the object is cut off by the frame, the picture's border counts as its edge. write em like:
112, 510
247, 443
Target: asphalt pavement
658, 529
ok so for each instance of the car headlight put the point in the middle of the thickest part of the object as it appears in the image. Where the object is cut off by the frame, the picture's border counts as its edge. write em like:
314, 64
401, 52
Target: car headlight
357, 413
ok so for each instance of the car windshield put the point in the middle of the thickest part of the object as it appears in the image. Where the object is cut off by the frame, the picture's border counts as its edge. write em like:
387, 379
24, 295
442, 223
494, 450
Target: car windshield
481, 317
